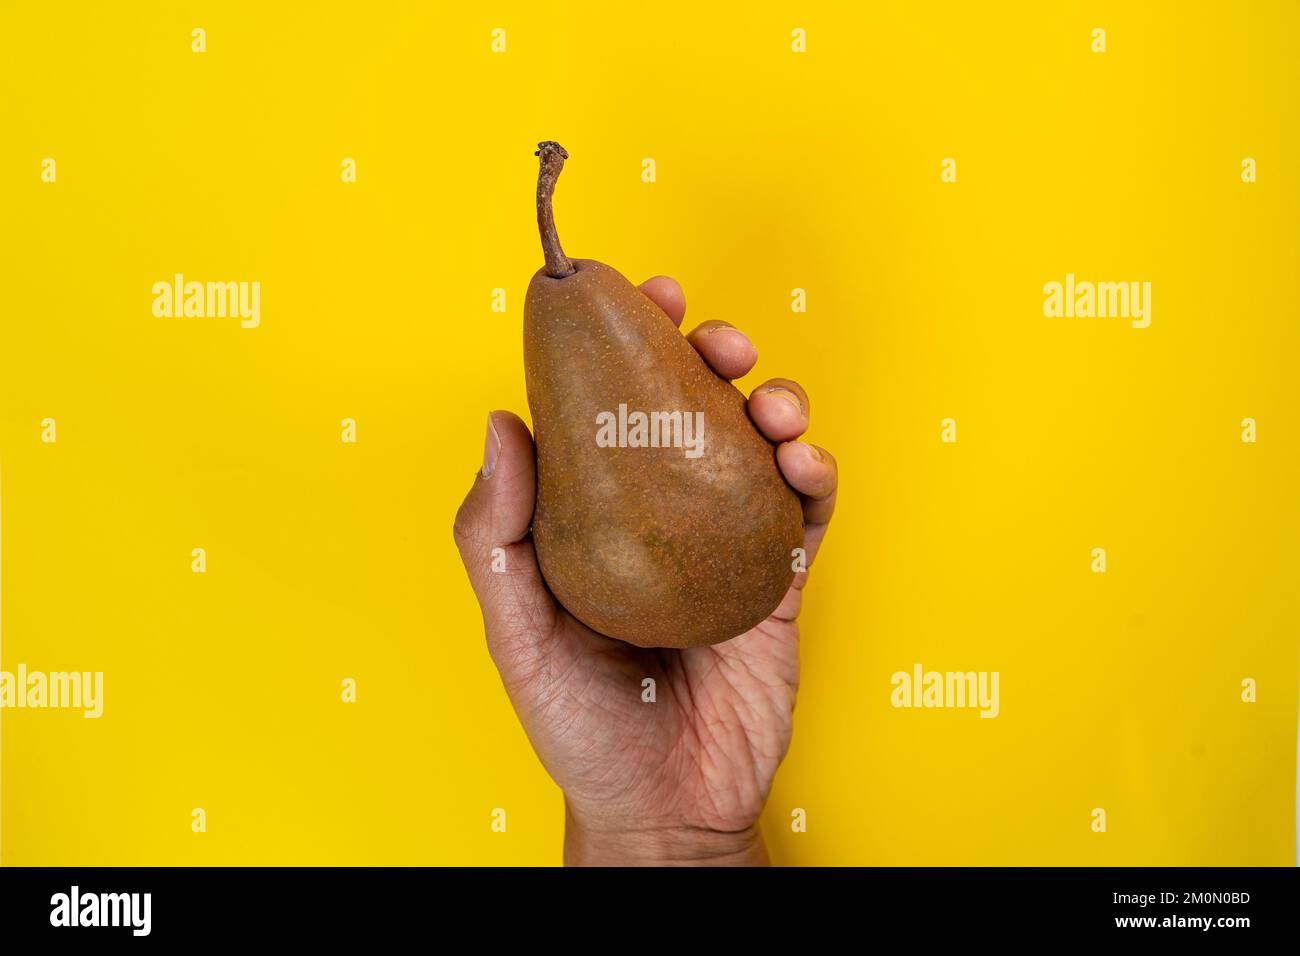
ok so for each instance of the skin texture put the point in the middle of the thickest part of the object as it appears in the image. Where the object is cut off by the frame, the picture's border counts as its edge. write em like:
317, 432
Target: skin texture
648, 545
683, 780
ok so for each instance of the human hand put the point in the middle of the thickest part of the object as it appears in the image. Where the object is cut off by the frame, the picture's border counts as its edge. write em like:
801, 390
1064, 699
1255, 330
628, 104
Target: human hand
681, 780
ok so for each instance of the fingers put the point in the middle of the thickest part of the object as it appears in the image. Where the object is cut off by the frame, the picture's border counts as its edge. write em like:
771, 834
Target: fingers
666, 293
813, 472
727, 350
499, 508
491, 531
780, 409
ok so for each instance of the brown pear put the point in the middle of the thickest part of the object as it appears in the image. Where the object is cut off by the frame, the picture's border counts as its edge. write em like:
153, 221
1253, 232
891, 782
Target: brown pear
662, 518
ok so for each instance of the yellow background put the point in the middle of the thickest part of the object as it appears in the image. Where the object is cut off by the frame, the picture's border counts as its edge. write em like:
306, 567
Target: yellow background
775, 171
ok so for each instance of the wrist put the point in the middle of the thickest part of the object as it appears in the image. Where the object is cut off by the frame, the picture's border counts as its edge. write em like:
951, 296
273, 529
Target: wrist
603, 843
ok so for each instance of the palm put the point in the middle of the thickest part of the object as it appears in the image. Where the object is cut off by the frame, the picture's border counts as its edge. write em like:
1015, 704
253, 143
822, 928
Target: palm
703, 751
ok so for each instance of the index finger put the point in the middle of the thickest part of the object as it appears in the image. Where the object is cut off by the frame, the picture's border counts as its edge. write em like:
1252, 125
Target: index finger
666, 292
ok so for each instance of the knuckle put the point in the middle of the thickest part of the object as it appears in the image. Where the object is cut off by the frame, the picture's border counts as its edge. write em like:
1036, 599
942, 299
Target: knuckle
464, 530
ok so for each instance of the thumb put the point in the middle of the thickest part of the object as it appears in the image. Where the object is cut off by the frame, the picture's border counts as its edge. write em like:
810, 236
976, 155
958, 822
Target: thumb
491, 531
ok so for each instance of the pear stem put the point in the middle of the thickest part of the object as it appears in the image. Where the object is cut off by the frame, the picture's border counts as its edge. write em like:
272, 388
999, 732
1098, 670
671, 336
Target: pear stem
552, 156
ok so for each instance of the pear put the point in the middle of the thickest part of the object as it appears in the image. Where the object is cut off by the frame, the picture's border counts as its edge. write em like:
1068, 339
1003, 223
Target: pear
662, 518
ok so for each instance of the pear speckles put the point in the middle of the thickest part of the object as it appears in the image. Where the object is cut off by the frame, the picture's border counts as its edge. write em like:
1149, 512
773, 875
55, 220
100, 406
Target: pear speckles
673, 529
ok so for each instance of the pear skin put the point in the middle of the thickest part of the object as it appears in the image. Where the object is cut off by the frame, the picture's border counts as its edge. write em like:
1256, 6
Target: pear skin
681, 545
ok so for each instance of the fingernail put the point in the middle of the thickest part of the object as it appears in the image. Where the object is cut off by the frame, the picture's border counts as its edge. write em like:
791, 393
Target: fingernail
724, 327
788, 395
491, 448
814, 451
